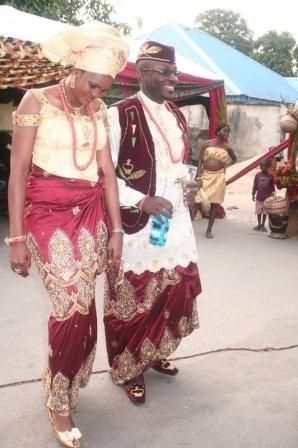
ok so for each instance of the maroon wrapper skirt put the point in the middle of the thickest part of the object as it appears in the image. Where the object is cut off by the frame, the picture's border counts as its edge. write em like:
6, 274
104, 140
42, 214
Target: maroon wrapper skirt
147, 315
66, 226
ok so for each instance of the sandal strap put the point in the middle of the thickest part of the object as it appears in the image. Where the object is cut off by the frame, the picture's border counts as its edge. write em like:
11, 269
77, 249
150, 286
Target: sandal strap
75, 433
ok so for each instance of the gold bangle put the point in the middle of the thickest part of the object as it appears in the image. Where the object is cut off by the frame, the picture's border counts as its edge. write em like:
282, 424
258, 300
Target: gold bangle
26, 119
15, 239
118, 230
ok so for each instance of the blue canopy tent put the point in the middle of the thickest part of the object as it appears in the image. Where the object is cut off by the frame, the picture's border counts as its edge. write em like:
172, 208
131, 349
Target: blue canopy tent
246, 81
293, 81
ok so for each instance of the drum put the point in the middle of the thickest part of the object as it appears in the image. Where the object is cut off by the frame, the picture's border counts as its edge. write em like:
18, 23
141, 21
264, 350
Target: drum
278, 225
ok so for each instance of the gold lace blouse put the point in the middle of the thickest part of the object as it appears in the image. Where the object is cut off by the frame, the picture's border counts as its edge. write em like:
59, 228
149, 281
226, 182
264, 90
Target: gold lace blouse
53, 143
213, 152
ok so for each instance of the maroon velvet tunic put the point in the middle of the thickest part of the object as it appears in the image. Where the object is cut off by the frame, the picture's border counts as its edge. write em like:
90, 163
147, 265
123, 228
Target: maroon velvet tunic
137, 154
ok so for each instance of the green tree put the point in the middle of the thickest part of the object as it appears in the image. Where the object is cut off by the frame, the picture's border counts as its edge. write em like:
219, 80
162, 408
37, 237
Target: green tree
74, 12
227, 26
44, 8
277, 51
295, 70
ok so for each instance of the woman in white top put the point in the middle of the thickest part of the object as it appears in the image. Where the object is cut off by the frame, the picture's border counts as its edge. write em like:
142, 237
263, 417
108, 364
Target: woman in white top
69, 197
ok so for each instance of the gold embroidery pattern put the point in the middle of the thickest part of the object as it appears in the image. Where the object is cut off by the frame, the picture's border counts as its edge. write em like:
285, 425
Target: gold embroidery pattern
40, 96
125, 307
63, 264
127, 173
26, 119
168, 344
58, 392
71, 282
170, 277
107, 298
102, 247
81, 380
63, 393
87, 248
151, 293
195, 315
148, 352
127, 369
149, 50
125, 366
185, 325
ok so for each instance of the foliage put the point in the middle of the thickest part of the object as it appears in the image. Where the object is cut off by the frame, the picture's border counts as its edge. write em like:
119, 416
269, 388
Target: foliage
227, 26
74, 12
44, 8
277, 51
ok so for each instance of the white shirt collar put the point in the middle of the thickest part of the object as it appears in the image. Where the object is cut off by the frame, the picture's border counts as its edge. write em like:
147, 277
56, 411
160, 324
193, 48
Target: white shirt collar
152, 105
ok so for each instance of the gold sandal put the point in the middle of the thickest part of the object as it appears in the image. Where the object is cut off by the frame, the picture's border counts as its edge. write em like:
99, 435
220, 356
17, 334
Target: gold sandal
66, 438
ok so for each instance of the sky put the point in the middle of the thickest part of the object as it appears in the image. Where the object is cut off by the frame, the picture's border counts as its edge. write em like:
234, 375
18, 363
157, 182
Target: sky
260, 15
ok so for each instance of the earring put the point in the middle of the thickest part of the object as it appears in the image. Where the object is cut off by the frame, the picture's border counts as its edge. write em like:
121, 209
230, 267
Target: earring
72, 82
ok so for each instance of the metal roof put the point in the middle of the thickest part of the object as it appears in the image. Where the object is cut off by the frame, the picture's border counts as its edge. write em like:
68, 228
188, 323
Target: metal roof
293, 81
244, 78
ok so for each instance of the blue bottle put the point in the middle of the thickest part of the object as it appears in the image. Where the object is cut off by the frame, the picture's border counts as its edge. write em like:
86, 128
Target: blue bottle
159, 231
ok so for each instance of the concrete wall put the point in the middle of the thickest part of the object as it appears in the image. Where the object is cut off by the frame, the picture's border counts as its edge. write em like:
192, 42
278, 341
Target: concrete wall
254, 128
5, 116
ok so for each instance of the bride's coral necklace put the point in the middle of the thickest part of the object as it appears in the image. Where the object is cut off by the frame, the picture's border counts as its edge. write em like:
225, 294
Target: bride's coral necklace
183, 152
73, 130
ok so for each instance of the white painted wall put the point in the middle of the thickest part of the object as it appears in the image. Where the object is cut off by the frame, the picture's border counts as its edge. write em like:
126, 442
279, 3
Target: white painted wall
254, 128
5, 116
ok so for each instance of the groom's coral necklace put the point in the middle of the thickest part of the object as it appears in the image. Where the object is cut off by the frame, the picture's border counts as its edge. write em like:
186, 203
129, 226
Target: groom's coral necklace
173, 159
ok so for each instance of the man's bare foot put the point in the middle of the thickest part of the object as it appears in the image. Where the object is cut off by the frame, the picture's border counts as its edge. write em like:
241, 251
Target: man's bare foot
209, 235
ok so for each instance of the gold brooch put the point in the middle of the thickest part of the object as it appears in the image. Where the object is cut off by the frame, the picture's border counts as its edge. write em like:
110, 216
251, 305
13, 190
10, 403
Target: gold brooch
127, 171
146, 49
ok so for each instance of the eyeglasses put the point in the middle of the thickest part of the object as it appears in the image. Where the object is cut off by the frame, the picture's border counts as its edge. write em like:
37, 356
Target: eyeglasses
167, 72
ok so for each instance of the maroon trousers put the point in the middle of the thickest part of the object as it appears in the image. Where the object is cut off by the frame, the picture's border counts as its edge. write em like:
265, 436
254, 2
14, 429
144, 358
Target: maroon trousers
147, 315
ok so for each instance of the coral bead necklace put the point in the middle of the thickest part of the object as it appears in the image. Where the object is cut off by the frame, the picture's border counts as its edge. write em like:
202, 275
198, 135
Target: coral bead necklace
92, 116
77, 110
183, 152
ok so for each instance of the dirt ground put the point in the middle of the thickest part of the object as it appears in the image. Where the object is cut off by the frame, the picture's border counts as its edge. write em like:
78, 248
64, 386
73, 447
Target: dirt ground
238, 193
238, 203
237, 386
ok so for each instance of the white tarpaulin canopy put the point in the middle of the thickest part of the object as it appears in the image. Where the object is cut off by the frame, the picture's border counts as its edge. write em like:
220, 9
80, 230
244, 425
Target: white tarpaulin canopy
29, 27
21, 25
